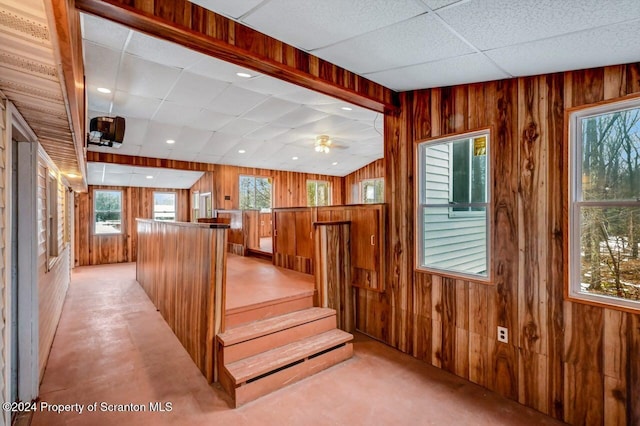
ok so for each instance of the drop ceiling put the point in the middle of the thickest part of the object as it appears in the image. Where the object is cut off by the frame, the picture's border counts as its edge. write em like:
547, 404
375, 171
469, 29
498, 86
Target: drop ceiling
416, 44
167, 92
146, 177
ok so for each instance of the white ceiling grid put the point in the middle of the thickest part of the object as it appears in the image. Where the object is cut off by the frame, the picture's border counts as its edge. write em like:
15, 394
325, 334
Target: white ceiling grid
417, 44
165, 91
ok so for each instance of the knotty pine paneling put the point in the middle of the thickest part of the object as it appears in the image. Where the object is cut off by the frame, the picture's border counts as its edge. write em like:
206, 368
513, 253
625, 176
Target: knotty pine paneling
575, 362
289, 188
352, 181
93, 249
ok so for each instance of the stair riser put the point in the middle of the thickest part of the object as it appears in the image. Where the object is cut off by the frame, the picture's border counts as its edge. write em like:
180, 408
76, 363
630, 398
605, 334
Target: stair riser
271, 310
249, 392
264, 343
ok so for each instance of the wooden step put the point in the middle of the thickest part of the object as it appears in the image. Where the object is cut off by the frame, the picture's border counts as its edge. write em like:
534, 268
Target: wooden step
271, 325
260, 336
271, 308
249, 368
249, 391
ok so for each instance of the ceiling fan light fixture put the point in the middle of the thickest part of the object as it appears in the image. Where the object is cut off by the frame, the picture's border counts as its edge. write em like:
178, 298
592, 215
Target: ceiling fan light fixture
323, 144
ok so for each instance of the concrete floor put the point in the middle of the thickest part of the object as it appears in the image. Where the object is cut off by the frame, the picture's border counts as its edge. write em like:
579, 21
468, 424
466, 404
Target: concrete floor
113, 347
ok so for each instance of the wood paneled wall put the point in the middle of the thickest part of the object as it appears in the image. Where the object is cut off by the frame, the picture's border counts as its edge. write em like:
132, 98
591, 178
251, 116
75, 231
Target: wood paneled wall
576, 362
182, 268
93, 249
289, 188
352, 181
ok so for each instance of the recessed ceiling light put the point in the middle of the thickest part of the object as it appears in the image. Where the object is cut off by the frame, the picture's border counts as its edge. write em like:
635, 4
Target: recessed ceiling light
241, 151
243, 74
347, 109
103, 90
294, 158
335, 163
149, 177
170, 141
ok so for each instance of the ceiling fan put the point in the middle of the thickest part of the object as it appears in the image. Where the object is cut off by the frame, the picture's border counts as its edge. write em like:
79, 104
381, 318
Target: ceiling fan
324, 144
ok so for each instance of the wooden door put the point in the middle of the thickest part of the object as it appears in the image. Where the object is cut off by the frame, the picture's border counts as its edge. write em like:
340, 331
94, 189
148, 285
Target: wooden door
365, 236
285, 238
304, 234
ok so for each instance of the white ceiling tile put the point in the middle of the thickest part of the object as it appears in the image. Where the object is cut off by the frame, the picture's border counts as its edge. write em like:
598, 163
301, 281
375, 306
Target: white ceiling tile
210, 120
126, 149
154, 151
192, 140
127, 105
99, 101
438, 4
209, 158
448, 72
311, 24
101, 65
104, 32
240, 127
219, 70
145, 78
266, 133
196, 90
135, 130
234, 9
267, 85
179, 154
299, 117
158, 133
308, 97
173, 113
498, 23
161, 51
236, 101
417, 40
219, 144
615, 44
270, 109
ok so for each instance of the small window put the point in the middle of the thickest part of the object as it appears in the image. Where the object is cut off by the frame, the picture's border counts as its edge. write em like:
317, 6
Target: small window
605, 204
255, 193
52, 216
195, 210
164, 206
372, 191
107, 207
318, 193
453, 215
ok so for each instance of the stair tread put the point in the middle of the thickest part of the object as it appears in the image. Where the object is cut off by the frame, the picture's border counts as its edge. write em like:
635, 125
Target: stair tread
258, 328
254, 366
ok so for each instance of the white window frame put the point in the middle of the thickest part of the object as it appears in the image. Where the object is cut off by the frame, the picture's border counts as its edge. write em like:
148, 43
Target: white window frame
53, 243
122, 224
255, 177
576, 202
362, 192
315, 182
456, 213
420, 196
175, 205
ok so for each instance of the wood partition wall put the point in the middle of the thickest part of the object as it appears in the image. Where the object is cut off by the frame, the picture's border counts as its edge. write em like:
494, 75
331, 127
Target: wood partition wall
182, 268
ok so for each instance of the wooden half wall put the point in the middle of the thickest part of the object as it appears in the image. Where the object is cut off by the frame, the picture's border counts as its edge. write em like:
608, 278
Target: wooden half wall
576, 362
93, 249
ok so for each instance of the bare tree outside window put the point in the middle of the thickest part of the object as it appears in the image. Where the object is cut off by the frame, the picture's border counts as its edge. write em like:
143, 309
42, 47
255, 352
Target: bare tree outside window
606, 208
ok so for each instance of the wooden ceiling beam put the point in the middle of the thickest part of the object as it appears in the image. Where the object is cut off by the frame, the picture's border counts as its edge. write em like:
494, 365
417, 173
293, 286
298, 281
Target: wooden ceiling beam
130, 160
197, 28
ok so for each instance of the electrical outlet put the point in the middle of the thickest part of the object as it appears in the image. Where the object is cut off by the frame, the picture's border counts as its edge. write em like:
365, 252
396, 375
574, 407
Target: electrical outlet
503, 334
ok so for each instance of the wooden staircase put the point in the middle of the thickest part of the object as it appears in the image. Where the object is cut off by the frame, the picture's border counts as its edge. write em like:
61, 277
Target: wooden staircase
278, 343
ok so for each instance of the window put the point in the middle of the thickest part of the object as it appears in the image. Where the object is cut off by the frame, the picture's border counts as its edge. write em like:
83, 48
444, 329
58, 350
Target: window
318, 193
107, 208
255, 193
453, 211
164, 206
195, 211
605, 204
372, 191
52, 216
